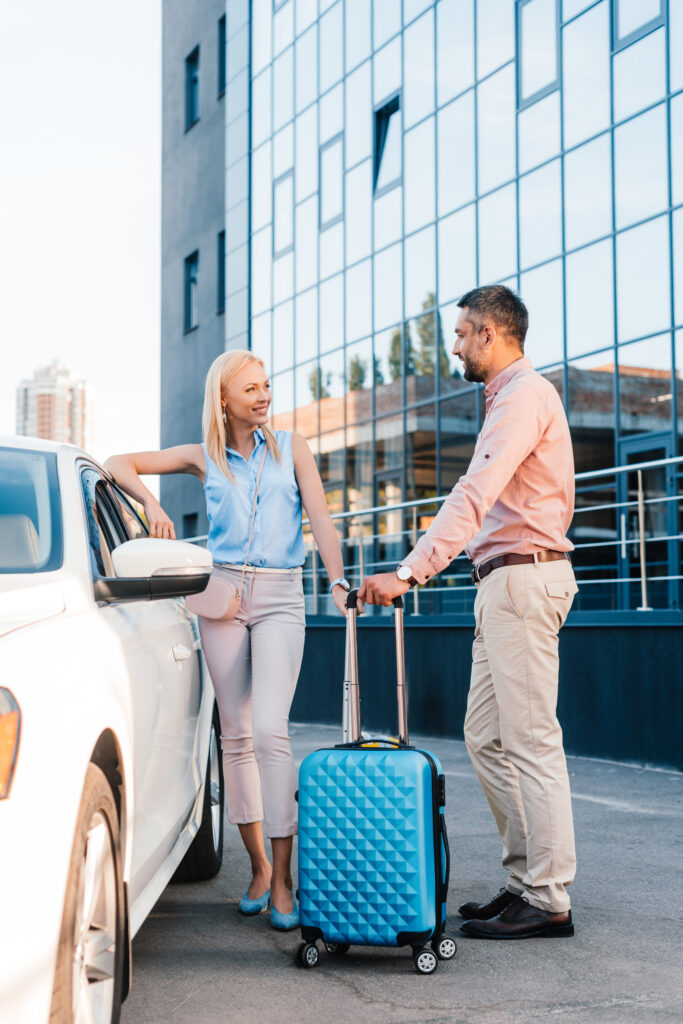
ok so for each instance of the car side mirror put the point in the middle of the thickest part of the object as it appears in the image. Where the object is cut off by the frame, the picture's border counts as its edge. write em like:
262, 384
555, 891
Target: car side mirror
151, 567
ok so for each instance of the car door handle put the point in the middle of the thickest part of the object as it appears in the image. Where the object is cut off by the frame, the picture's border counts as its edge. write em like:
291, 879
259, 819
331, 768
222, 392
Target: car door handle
181, 652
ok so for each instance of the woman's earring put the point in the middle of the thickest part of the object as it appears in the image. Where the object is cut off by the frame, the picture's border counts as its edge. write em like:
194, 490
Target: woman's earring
225, 415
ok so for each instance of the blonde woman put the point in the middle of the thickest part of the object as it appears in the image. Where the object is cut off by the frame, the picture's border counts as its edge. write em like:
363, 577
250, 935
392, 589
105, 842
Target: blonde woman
254, 659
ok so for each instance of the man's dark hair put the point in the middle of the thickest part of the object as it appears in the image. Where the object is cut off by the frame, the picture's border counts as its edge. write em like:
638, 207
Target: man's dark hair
499, 304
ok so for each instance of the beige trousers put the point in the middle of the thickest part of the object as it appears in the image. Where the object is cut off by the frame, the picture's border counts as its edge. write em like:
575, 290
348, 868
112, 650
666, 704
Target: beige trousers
254, 663
511, 729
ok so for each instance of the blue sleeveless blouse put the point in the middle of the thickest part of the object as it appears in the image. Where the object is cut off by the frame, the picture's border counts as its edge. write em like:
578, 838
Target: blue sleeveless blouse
277, 541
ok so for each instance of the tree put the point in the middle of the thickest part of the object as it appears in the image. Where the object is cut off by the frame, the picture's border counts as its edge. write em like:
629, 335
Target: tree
431, 341
319, 385
379, 376
395, 354
357, 372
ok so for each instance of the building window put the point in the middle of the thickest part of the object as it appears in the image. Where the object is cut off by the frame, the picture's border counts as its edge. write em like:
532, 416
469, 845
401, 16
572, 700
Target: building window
387, 145
283, 214
220, 285
190, 524
192, 88
191, 292
632, 19
537, 67
332, 182
221, 55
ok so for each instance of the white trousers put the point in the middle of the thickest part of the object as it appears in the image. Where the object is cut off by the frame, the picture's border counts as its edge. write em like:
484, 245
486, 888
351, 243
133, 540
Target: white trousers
511, 729
254, 662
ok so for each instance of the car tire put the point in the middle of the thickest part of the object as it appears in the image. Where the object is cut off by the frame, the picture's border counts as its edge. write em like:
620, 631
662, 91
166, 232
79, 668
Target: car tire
204, 857
91, 953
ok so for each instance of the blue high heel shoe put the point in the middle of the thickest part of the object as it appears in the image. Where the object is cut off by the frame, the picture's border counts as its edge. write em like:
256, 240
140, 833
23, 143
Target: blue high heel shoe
258, 906
285, 922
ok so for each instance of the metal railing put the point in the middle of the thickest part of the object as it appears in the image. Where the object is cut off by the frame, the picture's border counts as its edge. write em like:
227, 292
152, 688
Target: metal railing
616, 566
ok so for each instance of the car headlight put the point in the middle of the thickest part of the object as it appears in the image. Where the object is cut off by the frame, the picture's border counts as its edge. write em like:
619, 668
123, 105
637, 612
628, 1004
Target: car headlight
10, 727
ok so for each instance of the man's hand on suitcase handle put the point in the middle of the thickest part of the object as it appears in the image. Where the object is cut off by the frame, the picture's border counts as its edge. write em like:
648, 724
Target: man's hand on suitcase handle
382, 588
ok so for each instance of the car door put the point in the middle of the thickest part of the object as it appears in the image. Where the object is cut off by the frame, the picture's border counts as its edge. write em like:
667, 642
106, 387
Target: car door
157, 643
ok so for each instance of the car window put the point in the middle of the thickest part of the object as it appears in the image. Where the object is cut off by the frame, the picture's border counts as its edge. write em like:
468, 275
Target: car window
134, 524
30, 512
105, 525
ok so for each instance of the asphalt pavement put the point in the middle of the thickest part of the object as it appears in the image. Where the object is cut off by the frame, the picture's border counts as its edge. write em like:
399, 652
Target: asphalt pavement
196, 959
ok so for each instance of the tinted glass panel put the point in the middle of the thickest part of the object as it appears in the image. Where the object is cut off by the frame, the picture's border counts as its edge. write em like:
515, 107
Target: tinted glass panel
539, 131
331, 250
307, 244
307, 405
458, 429
331, 28
283, 337
643, 294
419, 175
645, 386
677, 149
386, 21
455, 132
496, 127
495, 34
30, 512
359, 301
675, 46
359, 381
639, 75
588, 192
283, 405
540, 216
497, 235
283, 205
306, 68
387, 70
332, 313
261, 190
642, 185
632, 14
541, 290
260, 108
418, 84
420, 271
454, 47
283, 88
388, 128
586, 93
388, 217
538, 46
358, 126
357, 17
388, 287
457, 254
306, 345
331, 181
590, 308
261, 338
388, 370
678, 272
358, 212
306, 153
261, 257
331, 113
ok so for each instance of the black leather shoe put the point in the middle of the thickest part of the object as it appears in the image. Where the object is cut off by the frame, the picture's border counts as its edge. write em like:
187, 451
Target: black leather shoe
485, 911
521, 921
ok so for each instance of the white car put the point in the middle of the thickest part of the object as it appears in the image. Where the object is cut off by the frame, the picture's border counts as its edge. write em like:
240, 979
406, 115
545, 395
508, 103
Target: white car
110, 770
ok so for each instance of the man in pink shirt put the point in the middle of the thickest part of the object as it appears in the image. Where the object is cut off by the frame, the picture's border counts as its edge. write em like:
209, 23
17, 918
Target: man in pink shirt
511, 512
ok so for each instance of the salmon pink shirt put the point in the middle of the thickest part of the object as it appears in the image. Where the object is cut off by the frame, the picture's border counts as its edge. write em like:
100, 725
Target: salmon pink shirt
518, 492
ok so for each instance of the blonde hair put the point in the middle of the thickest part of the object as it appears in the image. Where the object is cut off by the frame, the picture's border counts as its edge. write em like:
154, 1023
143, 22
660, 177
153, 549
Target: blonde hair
214, 430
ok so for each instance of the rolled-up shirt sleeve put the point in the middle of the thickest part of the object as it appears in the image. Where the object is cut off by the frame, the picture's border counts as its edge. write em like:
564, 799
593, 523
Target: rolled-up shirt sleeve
510, 433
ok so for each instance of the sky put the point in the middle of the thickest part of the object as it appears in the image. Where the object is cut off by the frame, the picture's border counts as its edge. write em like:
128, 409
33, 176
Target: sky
80, 207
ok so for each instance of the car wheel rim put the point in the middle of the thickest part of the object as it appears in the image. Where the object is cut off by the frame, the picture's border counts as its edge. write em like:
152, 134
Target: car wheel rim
215, 791
95, 931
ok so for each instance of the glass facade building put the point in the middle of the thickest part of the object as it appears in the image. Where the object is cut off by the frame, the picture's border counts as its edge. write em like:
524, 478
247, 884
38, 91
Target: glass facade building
385, 156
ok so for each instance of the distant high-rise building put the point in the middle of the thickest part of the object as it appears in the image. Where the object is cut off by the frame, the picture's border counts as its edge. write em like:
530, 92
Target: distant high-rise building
55, 406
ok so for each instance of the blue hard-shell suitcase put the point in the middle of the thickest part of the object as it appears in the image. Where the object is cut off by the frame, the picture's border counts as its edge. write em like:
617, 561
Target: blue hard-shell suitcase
373, 848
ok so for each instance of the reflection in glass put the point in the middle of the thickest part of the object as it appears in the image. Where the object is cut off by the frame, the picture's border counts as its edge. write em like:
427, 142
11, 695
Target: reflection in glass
540, 214
457, 254
283, 26
283, 337
497, 235
449, 317
677, 149
642, 185
359, 300
590, 308
572, 7
306, 68
306, 153
639, 75
386, 21
632, 14
418, 80
645, 386
358, 126
675, 47
421, 480
283, 150
331, 175
538, 39
306, 343
420, 270
388, 370
425, 354
306, 407
643, 294
590, 410
261, 190
331, 113
387, 70
261, 15
496, 129
306, 243
331, 50
358, 212
282, 406
678, 267
261, 260
586, 78
332, 313
260, 340
388, 287
387, 133
541, 291
332, 250
588, 192
329, 387
283, 88
260, 108
359, 381
388, 217
678, 356
306, 13
419, 175
454, 47
539, 131
332, 475
357, 32
458, 429
495, 35
389, 433
283, 214
359, 477
455, 132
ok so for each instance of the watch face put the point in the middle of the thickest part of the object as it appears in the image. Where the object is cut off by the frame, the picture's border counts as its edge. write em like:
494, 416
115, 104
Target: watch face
404, 573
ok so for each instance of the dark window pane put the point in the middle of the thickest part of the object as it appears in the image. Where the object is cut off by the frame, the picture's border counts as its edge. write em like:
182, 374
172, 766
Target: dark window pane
191, 289
192, 88
221, 55
645, 386
220, 284
387, 145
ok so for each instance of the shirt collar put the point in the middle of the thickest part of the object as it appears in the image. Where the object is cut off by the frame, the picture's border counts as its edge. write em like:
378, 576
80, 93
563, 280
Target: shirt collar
510, 371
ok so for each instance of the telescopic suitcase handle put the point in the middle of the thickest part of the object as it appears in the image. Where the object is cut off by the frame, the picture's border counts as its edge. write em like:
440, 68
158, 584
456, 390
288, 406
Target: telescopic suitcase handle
351, 725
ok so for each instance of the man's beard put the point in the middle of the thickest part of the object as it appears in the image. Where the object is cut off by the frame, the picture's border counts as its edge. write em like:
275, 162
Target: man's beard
472, 372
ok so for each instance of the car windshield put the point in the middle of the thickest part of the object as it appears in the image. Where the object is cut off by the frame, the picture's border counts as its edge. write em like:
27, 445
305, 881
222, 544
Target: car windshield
30, 516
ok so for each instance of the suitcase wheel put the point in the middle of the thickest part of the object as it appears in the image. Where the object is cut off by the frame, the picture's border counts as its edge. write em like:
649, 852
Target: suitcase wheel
307, 955
425, 961
445, 947
337, 948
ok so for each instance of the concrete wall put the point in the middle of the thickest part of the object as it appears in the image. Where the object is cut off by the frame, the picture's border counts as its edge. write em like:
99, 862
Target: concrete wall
619, 697
193, 213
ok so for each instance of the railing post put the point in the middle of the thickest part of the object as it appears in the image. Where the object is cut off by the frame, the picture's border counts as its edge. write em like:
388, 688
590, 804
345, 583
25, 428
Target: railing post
314, 569
361, 559
644, 607
416, 590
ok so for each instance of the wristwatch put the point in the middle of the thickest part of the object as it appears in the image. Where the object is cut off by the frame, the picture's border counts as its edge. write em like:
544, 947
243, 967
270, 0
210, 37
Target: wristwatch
342, 582
405, 574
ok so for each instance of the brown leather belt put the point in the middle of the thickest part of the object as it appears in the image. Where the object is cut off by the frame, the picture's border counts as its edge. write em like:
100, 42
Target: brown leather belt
484, 568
